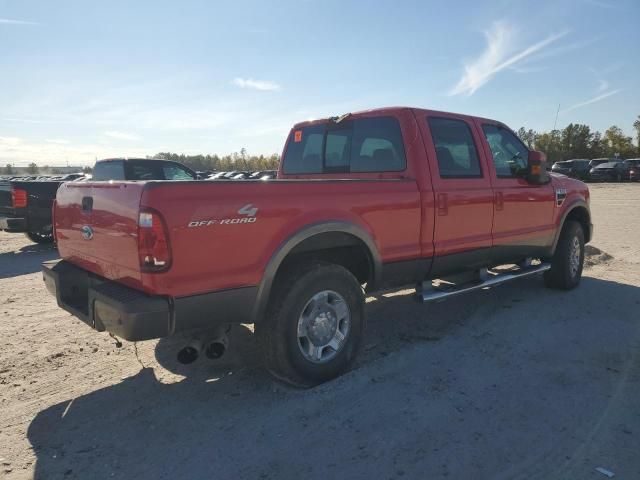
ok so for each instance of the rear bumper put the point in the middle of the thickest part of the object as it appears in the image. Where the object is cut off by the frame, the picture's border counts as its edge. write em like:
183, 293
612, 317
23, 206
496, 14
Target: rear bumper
133, 315
13, 224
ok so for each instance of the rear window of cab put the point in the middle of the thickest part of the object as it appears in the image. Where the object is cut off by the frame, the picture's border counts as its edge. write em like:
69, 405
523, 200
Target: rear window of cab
371, 144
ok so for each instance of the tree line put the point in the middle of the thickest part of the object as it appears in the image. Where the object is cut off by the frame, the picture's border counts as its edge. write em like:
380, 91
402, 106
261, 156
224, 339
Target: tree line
574, 141
579, 141
236, 161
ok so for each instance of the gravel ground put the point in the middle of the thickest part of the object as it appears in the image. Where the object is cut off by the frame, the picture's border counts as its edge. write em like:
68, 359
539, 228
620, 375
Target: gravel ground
514, 382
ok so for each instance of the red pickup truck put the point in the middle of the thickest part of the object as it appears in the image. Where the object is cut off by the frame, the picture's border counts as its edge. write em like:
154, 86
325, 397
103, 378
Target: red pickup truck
362, 202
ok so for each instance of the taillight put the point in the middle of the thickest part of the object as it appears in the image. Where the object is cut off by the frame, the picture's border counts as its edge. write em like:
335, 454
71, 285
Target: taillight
154, 250
18, 197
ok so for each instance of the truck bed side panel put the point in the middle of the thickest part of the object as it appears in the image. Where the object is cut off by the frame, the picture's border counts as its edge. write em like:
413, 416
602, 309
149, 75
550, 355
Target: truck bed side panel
217, 244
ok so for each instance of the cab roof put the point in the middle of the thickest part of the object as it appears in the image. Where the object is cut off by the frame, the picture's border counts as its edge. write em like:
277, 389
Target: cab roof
387, 111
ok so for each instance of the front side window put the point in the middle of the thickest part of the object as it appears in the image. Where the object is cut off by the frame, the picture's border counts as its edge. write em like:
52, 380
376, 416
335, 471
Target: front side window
509, 153
455, 149
362, 145
176, 172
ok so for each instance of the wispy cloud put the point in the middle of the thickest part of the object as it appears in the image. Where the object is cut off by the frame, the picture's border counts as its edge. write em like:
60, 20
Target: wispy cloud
599, 3
57, 141
121, 135
262, 85
498, 55
9, 21
592, 100
603, 85
10, 141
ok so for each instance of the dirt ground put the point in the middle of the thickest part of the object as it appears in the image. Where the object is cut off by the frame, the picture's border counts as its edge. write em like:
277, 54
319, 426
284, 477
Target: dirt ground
515, 382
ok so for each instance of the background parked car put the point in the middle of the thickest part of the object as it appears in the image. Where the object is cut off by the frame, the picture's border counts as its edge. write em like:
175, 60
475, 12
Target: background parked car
617, 171
634, 169
575, 168
599, 161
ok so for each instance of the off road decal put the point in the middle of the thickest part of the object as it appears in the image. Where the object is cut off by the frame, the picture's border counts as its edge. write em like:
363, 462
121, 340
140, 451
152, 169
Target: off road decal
248, 210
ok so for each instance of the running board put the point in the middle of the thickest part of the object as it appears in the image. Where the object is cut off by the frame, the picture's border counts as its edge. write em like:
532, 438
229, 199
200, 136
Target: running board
487, 279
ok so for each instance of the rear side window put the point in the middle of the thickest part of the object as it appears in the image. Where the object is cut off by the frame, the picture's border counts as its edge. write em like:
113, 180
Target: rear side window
362, 145
105, 171
455, 149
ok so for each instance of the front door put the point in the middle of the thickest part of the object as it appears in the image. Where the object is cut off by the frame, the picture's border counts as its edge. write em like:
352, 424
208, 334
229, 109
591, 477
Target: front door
523, 218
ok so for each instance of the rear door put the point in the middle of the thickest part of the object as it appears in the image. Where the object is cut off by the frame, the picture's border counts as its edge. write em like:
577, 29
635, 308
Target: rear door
523, 219
463, 196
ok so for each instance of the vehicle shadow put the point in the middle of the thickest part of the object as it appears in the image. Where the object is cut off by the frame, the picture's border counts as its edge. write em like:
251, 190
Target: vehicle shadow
232, 420
27, 259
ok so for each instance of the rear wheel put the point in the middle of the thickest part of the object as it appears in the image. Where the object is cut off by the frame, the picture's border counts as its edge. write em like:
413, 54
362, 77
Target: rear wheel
568, 260
314, 324
42, 238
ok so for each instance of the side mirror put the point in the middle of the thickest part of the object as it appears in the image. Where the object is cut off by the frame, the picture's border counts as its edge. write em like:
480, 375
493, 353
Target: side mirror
537, 173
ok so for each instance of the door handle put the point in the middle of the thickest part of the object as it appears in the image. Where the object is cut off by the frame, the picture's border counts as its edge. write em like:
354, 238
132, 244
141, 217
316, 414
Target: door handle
443, 207
499, 201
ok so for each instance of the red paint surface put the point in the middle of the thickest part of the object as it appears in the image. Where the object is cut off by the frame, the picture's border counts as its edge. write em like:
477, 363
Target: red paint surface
409, 215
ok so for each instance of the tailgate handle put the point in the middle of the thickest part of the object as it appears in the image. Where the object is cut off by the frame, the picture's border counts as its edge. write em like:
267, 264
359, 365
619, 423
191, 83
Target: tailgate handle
87, 204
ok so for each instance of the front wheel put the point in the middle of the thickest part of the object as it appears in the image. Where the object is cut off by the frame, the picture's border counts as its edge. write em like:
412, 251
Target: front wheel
314, 324
568, 259
42, 238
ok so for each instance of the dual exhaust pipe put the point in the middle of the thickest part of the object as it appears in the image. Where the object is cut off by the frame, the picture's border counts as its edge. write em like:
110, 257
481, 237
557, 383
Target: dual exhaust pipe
213, 346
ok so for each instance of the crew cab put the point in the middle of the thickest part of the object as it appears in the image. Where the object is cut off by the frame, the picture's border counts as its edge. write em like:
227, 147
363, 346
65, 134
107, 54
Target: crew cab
362, 202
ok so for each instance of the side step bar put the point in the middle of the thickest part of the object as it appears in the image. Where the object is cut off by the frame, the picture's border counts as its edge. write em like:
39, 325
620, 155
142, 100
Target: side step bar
487, 278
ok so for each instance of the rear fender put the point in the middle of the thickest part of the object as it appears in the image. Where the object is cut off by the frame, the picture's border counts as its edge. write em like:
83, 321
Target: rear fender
294, 240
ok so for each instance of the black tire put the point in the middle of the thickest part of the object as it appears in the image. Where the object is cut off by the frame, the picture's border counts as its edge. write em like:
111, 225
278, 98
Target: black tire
41, 238
562, 274
278, 331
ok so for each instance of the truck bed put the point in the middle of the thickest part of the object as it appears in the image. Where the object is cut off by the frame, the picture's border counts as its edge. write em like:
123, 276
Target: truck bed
223, 234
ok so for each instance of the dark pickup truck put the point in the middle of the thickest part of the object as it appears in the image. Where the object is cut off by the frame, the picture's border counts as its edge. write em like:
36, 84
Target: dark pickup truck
25, 207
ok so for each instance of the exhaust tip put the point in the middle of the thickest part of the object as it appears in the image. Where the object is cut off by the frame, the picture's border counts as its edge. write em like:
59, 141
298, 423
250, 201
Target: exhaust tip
188, 355
215, 350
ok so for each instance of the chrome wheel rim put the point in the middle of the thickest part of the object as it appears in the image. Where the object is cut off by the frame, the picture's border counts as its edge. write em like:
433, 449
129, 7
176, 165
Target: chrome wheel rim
574, 257
323, 326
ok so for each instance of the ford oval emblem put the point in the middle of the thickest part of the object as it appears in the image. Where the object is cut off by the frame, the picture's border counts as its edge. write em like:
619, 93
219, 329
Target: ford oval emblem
87, 232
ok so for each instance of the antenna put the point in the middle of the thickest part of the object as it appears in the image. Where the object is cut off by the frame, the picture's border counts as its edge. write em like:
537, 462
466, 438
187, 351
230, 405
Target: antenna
556, 122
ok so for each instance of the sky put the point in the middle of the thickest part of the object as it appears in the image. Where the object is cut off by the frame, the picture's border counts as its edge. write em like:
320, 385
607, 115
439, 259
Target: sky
84, 80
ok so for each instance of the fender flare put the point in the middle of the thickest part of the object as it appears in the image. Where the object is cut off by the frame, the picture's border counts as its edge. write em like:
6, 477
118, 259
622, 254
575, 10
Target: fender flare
274, 263
575, 204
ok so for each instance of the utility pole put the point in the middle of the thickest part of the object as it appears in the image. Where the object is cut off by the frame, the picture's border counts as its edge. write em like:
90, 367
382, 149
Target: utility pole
556, 122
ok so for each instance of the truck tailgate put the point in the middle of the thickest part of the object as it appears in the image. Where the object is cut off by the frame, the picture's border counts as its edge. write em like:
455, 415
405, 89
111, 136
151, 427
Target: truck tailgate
97, 228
